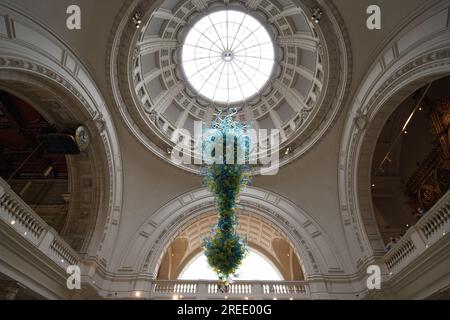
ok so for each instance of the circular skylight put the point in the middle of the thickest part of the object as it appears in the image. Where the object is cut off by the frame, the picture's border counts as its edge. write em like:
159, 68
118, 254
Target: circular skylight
228, 56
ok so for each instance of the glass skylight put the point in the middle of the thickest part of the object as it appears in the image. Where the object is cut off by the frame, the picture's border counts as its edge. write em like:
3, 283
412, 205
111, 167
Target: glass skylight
228, 56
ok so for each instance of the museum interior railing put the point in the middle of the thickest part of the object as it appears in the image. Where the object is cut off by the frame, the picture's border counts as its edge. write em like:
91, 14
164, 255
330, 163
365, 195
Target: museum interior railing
185, 289
434, 225
24, 220
20, 217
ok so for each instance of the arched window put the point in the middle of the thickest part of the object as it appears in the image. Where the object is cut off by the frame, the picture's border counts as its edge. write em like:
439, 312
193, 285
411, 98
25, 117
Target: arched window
254, 267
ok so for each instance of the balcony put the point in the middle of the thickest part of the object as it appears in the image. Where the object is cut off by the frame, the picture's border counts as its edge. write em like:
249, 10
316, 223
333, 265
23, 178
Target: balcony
20, 217
434, 225
282, 290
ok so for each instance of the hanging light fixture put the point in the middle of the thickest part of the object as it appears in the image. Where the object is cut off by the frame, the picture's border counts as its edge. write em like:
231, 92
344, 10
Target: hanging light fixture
137, 19
316, 15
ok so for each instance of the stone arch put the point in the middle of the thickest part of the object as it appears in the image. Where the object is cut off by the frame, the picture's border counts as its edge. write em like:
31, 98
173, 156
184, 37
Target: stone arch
87, 175
145, 250
263, 253
418, 53
261, 236
35, 64
252, 246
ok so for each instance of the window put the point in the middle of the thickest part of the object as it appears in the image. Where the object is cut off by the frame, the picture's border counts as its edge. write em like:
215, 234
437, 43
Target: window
254, 267
228, 56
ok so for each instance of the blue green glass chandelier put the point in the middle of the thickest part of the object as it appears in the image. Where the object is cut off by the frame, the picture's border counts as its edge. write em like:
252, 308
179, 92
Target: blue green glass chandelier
225, 176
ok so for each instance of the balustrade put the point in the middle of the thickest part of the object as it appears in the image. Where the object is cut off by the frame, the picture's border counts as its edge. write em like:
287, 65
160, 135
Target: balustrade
238, 289
22, 218
434, 225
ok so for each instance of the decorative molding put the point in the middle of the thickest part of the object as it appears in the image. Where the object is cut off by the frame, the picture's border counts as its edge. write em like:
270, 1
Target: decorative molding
309, 128
311, 244
59, 71
384, 87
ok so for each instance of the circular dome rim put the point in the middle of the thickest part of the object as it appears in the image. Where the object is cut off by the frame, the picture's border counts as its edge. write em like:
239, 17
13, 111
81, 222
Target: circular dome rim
145, 132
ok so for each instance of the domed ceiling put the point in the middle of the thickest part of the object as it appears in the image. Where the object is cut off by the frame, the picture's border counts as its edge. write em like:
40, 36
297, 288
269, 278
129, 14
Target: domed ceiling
184, 61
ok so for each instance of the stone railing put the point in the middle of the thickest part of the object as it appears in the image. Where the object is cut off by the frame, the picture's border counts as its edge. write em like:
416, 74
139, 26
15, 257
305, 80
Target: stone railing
434, 225
21, 218
185, 289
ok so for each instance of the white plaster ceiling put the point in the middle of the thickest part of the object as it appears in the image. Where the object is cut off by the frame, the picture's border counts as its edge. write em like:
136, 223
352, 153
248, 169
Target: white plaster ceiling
146, 183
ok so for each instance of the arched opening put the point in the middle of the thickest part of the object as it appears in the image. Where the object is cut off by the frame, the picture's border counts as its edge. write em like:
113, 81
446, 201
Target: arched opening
283, 232
184, 257
39, 177
411, 163
38, 68
390, 80
254, 267
63, 188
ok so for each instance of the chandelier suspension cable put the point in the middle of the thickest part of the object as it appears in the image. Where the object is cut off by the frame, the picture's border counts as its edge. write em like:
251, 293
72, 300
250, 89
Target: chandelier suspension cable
402, 131
24, 162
